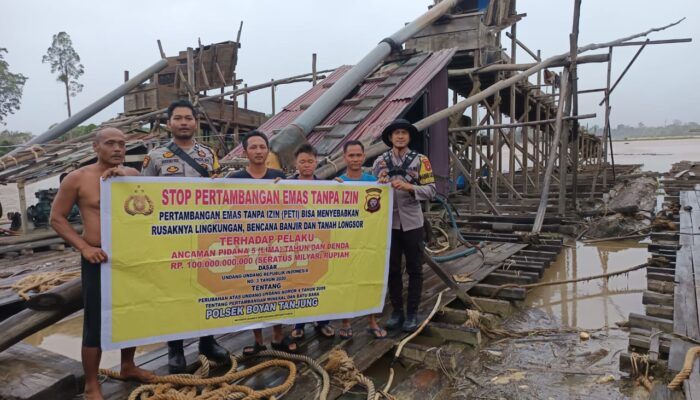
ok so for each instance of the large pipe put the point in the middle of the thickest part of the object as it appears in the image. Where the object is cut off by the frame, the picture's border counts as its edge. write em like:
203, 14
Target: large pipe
284, 143
95, 107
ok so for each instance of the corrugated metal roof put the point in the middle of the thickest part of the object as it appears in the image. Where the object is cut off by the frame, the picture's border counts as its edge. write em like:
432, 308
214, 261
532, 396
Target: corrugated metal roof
391, 108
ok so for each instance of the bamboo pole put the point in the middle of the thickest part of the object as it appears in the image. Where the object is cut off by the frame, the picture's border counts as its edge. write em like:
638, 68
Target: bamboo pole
590, 59
376, 149
511, 147
502, 84
558, 127
574, 100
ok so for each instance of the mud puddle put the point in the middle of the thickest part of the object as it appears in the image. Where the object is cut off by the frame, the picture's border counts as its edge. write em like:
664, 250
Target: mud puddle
548, 359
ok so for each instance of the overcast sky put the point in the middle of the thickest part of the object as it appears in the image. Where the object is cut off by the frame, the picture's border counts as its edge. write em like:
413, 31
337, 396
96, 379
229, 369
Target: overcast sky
280, 36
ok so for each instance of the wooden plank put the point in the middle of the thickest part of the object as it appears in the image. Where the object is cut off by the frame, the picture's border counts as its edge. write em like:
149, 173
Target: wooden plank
454, 333
644, 321
685, 316
691, 387
30, 373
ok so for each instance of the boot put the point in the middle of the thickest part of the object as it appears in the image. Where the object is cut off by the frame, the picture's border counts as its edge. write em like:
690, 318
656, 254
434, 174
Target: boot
176, 358
213, 351
395, 321
411, 323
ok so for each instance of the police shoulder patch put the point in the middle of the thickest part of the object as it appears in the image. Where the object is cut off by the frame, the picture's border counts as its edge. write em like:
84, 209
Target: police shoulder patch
146, 161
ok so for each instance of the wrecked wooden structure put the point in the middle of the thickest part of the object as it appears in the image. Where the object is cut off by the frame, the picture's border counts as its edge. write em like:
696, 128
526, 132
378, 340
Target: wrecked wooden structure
660, 339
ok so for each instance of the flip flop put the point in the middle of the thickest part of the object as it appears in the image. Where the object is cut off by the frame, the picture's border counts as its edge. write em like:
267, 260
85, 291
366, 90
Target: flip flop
378, 333
345, 333
284, 345
298, 334
325, 330
253, 350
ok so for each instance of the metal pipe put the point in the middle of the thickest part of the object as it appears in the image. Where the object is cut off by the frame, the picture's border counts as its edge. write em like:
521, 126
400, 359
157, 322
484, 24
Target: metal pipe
291, 136
95, 107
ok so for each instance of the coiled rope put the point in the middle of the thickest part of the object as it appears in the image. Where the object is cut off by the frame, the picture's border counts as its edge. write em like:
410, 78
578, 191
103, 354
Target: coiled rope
199, 386
41, 282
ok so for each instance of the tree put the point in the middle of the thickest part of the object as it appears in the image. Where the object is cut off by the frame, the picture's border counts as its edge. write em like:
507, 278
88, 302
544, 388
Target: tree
65, 61
9, 139
11, 86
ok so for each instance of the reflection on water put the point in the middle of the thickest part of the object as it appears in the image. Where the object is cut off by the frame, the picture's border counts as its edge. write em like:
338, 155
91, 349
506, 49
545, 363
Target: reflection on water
66, 336
595, 303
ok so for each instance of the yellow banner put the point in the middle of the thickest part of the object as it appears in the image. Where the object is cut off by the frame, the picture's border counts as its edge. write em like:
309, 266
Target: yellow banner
190, 257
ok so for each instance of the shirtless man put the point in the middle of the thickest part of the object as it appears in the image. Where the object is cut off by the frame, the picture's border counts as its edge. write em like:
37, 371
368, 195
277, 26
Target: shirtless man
82, 187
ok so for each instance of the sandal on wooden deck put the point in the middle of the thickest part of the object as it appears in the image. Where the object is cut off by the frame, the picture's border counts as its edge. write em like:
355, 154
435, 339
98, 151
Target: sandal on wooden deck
378, 333
298, 333
345, 333
253, 350
325, 330
286, 345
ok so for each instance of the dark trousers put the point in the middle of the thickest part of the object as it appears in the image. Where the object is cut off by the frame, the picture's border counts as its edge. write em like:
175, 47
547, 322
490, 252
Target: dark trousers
408, 243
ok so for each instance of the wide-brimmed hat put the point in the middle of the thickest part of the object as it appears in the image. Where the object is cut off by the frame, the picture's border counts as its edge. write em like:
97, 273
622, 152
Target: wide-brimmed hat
400, 124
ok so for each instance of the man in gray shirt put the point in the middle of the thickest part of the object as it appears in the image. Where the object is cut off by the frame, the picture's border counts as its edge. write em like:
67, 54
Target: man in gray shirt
411, 176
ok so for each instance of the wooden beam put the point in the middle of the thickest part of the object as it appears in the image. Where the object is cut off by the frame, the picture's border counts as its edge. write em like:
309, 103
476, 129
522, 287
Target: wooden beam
558, 127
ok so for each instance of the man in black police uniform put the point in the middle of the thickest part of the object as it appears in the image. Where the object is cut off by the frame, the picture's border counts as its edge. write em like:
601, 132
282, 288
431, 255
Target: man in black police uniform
183, 156
411, 176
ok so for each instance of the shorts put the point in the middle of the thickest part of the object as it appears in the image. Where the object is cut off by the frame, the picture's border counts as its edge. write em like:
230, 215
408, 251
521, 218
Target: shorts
90, 276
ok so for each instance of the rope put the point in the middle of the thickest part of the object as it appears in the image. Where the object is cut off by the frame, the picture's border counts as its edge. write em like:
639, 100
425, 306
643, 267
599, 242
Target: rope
407, 339
687, 368
444, 246
325, 379
346, 374
637, 360
41, 282
186, 386
553, 283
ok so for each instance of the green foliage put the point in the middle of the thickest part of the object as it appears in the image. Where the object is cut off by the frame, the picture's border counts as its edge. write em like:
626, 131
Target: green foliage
11, 86
677, 128
78, 131
10, 138
65, 61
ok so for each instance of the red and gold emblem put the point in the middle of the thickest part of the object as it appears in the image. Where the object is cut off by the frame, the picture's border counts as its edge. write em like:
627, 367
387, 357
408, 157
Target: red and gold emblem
373, 199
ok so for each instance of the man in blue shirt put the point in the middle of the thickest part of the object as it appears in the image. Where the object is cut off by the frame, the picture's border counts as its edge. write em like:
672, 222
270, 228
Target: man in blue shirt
354, 156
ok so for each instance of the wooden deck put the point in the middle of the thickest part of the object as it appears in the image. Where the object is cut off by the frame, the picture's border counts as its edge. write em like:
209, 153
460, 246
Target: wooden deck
686, 318
363, 348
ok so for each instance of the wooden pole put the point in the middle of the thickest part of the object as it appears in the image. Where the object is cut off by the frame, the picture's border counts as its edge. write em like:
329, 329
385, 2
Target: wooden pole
624, 72
190, 73
245, 96
272, 92
23, 206
511, 148
525, 140
607, 122
502, 84
574, 93
558, 127
160, 49
313, 70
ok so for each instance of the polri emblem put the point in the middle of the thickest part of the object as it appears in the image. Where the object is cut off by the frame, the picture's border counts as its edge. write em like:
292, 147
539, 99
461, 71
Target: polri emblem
138, 203
373, 199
